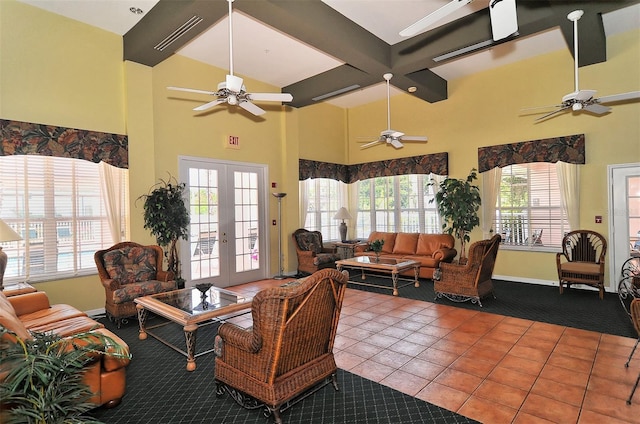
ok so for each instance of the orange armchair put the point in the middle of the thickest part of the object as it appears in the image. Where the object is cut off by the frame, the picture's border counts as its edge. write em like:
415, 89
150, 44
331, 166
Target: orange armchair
129, 270
471, 281
312, 255
582, 260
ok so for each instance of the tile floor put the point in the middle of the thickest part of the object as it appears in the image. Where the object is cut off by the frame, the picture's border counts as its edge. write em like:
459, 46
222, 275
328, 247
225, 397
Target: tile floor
488, 367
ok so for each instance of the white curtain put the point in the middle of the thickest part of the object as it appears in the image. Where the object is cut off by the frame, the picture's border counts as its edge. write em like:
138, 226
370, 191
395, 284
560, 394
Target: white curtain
113, 181
304, 202
436, 180
569, 181
490, 189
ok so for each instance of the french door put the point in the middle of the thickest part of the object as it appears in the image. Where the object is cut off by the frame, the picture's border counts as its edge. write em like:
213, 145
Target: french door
226, 203
624, 210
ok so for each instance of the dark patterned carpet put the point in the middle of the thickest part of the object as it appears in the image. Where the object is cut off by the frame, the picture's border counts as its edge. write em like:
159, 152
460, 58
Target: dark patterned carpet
161, 391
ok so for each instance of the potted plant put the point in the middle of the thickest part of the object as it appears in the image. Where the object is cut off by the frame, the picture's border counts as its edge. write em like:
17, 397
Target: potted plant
376, 247
166, 215
458, 202
43, 377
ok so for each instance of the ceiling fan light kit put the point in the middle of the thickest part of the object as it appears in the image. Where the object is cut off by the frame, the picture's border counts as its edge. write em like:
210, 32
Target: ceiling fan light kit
232, 90
389, 136
584, 100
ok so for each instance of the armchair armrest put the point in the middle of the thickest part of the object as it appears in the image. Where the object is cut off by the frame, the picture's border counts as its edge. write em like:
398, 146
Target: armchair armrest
110, 284
244, 339
164, 275
29, 302
305, 254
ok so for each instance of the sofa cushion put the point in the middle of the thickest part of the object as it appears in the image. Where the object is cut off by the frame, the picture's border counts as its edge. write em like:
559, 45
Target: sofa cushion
67, 327
9, 319
429, 243
389, 240
405, 244
425, 261
54, 313
131, 264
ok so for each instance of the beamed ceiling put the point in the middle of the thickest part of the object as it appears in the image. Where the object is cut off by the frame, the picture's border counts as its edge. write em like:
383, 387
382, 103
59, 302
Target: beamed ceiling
357, 57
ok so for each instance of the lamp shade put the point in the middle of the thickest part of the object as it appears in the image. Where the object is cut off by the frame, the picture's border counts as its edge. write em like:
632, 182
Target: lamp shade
7, 233
343, 214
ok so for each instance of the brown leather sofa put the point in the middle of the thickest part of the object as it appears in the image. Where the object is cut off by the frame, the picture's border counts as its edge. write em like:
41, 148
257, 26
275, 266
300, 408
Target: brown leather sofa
428, 249
32, 312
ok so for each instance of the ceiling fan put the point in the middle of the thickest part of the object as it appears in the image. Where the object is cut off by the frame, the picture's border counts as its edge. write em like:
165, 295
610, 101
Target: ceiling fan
390, 136
580, 100
232, 91
504, 20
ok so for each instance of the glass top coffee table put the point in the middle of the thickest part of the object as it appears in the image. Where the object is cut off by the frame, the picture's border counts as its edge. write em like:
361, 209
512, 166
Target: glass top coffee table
190, 308
383, 265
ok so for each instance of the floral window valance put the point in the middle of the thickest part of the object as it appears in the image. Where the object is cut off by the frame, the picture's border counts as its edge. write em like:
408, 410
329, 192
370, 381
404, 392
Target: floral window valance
438, 163
569, 149
25, 138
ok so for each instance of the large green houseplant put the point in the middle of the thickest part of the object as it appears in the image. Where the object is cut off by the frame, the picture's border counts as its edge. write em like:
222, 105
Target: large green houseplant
458, 202
167, 217
43, 376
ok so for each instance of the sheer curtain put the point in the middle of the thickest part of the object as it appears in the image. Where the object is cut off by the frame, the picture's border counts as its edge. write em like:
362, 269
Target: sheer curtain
303, 202
436, 180
569, 181
114, 183
490, 189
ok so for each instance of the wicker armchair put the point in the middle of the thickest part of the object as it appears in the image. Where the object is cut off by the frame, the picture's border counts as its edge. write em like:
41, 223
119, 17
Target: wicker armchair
289, 350
582, 260
471, 281
312, 255
635, 318
129, 270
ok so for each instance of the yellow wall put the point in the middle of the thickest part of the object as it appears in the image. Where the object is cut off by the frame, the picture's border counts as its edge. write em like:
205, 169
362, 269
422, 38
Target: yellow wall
485, 109
61, 72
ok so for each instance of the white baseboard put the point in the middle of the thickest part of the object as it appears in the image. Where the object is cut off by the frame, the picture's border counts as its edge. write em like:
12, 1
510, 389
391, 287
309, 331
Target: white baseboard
546, 282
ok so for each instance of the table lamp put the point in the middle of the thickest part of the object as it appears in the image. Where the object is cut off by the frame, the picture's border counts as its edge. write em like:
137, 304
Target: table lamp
6, 234
343, 214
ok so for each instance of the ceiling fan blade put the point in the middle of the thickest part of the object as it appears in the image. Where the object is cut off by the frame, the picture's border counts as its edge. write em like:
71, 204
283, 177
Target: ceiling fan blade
597, 109
504, 19
396, 143
373, 143
234, 83
192, 90
270, 97
209, 105
550, 114
434, 17
619, 97
396, 134
413, 138
250, 107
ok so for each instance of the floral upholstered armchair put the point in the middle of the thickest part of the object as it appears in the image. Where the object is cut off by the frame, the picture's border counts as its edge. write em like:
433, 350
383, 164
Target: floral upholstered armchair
129, 270
312, 255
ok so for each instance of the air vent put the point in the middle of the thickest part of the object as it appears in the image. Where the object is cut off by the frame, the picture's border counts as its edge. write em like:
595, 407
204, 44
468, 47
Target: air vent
335, 93
184, 28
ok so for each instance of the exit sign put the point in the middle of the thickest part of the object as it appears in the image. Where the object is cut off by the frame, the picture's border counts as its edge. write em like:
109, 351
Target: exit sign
233, 142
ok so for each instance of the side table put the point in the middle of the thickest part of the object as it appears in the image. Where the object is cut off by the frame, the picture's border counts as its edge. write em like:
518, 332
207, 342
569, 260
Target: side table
346, 249
18, 288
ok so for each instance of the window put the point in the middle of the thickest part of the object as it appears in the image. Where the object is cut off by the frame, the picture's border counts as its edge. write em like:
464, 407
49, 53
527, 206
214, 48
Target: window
399, 203
324, 197
57, 206
529, 209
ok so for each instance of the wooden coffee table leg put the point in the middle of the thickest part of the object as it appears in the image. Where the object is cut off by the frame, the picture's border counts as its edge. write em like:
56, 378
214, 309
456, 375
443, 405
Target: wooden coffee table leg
394, 280
142, 319
417, 271
190, 338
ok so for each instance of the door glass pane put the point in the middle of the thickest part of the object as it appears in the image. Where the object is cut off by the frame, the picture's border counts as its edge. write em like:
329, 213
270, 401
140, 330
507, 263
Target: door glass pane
634, 213
204, 227
246, 221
